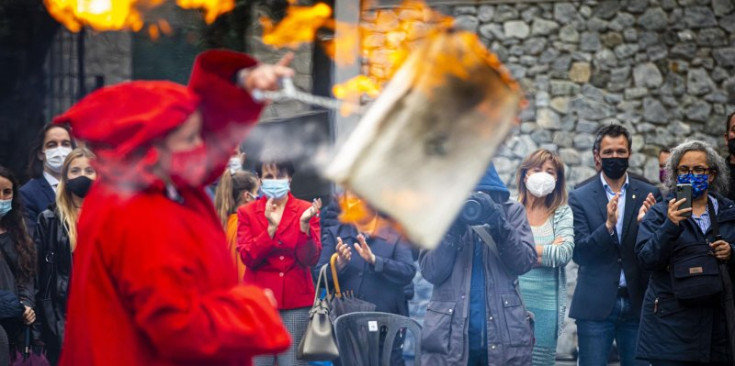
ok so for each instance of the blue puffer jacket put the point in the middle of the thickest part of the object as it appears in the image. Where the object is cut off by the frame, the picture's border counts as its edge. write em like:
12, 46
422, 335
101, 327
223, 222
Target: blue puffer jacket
670, 329
450, 268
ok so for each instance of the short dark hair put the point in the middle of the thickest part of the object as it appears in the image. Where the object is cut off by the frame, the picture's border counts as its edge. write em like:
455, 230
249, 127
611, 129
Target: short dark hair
664, 150
611, 130
35, 166
728, 121
282, 166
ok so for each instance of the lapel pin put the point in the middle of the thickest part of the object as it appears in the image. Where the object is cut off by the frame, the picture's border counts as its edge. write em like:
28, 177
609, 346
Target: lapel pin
633, 196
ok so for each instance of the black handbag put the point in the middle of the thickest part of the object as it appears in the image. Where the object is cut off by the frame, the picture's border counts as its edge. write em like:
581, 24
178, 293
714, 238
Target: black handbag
318, 342
694, 270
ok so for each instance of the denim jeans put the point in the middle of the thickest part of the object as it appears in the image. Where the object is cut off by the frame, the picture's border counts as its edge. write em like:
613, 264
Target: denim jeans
596, 337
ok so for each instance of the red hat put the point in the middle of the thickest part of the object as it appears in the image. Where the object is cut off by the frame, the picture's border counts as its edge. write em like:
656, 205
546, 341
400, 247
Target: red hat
131, 115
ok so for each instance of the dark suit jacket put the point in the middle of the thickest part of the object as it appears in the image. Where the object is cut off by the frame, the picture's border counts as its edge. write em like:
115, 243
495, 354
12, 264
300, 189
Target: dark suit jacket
599, 255
37, 196
596, 177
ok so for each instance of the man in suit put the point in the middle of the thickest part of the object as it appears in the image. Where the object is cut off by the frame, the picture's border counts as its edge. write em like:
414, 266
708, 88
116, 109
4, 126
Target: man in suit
54, 143
610, 284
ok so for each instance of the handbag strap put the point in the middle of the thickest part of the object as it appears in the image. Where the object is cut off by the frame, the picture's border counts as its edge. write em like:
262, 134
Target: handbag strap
713, 220
333, 265
322, 275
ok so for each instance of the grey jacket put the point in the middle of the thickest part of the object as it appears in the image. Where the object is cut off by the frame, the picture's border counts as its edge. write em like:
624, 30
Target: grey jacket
557, 257
449, 268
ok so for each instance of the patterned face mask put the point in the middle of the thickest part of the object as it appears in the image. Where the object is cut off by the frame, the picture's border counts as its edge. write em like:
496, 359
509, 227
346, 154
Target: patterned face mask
699, 182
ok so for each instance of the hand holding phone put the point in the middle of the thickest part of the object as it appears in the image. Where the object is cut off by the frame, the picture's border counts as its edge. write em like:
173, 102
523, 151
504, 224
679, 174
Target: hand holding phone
680, 208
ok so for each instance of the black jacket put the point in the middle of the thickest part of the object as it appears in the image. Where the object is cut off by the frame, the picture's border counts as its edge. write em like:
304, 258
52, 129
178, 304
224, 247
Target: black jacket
381, 284
54, 273
671, 330
37, 196
599, 255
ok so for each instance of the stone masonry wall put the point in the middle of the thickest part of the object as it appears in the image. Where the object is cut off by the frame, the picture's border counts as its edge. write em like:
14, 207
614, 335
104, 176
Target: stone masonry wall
662, 68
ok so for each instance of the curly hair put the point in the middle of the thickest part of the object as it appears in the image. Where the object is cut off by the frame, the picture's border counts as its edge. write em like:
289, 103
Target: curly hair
16, 227
716, 163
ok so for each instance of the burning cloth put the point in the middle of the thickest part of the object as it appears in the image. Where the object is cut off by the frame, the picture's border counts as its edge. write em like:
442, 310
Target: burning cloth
429, 137
154, 282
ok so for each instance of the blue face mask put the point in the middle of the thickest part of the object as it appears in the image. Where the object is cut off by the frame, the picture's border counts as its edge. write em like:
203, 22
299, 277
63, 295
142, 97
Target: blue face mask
5, 207
275, 188
699, 182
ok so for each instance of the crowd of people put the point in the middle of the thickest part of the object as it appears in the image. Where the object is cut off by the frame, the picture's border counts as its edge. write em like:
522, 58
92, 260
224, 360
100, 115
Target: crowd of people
114, 231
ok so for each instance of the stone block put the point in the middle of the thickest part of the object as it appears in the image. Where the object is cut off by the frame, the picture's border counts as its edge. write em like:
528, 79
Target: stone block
635, 93
590, 41
654, 111
647, 76
563, 139
699, 111
516, 29
591, 109
563, 88
560, 104
505, 12
485, 13
548, 119
608, 9
725, 57
624, 51
569, 34
699, 82
653, 19
543, 27
722, 7
467, 22
584, 141
605, 59
699, 17
580, 72
570, 156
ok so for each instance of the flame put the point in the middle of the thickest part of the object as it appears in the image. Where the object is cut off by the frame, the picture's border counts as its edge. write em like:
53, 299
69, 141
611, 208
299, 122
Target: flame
298, 27
382, 42
356, 211
114, 15
212, 8
102, 15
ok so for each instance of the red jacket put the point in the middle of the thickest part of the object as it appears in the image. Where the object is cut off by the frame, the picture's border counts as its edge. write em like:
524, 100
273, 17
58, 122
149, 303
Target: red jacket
281, 263
154, 282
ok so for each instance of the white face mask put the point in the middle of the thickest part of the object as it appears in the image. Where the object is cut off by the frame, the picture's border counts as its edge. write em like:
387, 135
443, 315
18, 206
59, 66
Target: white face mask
540, 184
55, 158
235, 164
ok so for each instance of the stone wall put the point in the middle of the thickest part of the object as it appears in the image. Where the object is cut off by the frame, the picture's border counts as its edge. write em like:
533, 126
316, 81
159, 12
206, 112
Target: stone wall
662, 68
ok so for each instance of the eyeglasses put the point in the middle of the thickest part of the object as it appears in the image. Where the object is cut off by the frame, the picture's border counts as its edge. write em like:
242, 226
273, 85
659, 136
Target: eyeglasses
684, 170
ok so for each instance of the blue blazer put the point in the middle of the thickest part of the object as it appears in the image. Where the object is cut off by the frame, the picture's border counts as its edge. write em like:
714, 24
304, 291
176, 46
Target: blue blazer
37, 196
381, 284
599, 255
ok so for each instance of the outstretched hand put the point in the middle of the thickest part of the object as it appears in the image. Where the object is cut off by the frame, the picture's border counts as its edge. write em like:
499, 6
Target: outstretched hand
266, 76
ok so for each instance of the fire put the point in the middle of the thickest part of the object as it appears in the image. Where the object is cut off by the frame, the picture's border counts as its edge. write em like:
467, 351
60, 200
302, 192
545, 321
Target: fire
114, 15
212, 8
381, 43
102, 15
298, 27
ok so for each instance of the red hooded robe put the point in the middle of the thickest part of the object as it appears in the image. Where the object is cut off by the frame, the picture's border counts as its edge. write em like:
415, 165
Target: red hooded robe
153, 282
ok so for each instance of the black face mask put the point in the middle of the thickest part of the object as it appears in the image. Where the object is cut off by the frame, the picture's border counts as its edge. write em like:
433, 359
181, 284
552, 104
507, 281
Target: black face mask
79, 185
614, 168
731, 146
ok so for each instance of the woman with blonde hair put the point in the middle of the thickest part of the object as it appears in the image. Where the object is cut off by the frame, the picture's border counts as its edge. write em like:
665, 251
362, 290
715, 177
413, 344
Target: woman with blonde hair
235, 189
542, 191
56, 239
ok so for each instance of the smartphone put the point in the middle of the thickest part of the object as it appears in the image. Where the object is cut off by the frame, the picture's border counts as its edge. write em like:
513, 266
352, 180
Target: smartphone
684, 191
